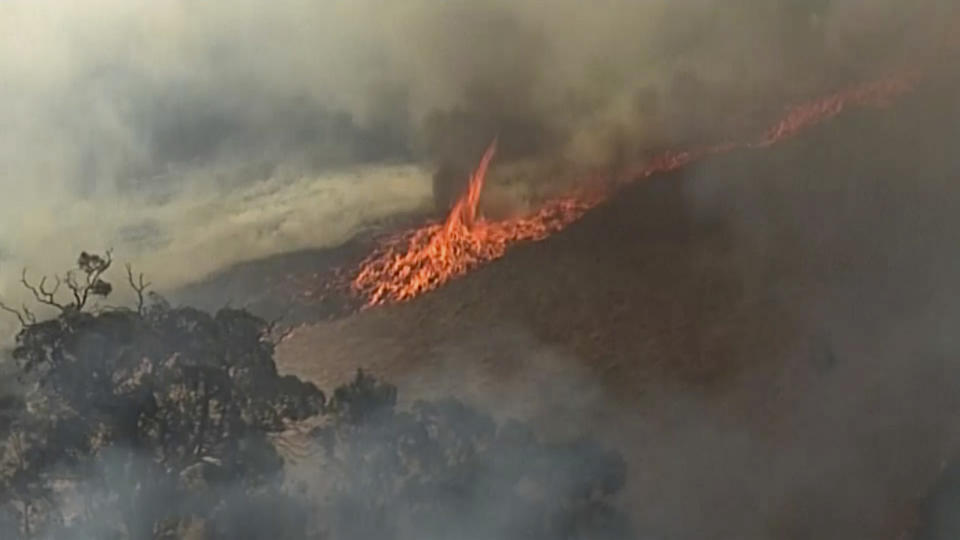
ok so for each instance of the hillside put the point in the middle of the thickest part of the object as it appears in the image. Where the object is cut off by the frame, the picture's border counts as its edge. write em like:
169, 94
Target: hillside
767, 333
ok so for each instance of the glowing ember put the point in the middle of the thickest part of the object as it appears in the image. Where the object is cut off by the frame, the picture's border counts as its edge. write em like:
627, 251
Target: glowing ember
411, 263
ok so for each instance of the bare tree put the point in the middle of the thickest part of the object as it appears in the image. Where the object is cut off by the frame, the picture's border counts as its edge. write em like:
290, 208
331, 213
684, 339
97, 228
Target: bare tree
84, 282
139, 286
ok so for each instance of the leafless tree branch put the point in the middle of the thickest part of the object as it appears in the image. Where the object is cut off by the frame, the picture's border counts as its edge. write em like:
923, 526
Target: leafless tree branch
84, 282
75, 288
40, 291
25, 316
28, 315
275, 334
139, 286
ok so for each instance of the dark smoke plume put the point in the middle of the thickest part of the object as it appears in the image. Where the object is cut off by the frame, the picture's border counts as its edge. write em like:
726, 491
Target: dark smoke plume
135, 124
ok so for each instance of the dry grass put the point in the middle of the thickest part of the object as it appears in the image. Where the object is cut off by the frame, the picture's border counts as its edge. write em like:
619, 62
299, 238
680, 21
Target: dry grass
761, 334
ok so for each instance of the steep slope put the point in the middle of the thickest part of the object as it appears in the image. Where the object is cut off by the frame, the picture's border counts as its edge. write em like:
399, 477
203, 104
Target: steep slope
681, 273
767, 334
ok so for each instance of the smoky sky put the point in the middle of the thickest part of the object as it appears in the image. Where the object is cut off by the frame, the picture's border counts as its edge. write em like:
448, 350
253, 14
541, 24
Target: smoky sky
189, 135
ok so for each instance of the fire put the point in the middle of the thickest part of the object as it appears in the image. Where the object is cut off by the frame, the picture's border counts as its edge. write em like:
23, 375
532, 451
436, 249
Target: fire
414, 262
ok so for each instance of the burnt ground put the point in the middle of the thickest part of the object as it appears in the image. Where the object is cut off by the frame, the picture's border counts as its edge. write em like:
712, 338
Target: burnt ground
768, 336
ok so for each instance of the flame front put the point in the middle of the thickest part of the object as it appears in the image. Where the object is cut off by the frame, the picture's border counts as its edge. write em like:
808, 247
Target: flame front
412, 263
420, 260
463, 216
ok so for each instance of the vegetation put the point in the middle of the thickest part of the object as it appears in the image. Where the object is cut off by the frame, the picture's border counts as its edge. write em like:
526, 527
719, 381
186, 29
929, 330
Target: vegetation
157, 422
453, 473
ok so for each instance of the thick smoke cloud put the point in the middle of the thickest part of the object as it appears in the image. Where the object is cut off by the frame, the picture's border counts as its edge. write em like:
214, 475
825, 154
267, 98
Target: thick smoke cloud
189, 135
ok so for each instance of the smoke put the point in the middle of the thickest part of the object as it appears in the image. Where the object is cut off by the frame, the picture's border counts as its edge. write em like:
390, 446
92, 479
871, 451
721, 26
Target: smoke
770, 335
136, 124
846, 229
189, 135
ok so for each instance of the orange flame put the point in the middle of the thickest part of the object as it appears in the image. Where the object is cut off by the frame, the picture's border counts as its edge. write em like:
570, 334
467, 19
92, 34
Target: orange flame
415, 262
464, 212
412, 263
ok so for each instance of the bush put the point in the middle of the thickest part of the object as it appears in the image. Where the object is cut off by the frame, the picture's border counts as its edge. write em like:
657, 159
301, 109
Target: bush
158, 423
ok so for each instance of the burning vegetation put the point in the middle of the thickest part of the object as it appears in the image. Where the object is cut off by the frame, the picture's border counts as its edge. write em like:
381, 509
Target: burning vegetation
413, 262
425, 258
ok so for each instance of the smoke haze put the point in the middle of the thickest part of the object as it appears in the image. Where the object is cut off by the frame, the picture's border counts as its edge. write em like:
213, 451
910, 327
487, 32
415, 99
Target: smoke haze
191, 135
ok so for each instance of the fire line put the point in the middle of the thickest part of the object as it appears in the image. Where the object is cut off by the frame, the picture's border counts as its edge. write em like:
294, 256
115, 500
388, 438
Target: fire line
414, 262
